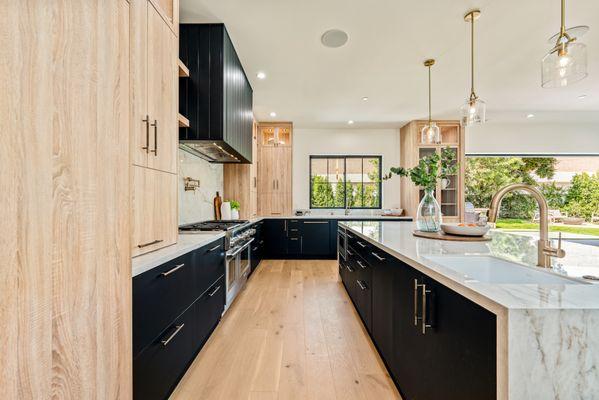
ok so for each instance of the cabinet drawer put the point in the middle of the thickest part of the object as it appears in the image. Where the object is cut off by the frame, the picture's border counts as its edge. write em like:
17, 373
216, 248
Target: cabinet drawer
159, 367
159, 296
294, 245
210, 265
209, 309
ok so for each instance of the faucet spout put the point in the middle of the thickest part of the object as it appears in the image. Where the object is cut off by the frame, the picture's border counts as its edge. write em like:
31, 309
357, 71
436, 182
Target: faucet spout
546, 251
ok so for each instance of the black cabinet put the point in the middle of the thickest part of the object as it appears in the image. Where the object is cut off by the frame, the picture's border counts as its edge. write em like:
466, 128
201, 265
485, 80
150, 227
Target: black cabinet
175, 308
257, 249
435, 342
217, 96
299, 238
315, 238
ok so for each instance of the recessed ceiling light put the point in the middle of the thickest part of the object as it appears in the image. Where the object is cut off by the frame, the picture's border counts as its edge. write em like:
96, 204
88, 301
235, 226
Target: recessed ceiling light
261, 75
529, 116
365, 98
350, 122
334, 38
273, 114
582, 96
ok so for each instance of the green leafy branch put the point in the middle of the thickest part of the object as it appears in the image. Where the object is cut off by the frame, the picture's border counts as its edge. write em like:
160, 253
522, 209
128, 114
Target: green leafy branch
429, 170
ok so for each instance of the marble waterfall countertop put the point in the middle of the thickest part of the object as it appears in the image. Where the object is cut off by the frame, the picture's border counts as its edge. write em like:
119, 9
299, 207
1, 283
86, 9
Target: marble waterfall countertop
547, 334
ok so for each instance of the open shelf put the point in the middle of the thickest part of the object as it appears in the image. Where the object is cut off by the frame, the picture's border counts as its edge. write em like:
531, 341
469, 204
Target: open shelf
183, 70
183, 122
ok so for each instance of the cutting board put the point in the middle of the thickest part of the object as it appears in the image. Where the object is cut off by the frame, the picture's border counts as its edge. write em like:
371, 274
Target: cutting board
455, 238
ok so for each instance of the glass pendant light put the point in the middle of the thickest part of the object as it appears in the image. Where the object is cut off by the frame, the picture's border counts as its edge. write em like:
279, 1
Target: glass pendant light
566, 62
473, 111
430, 134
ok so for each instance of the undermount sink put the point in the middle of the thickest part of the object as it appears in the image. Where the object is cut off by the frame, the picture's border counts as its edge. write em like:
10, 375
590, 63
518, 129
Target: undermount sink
488, 269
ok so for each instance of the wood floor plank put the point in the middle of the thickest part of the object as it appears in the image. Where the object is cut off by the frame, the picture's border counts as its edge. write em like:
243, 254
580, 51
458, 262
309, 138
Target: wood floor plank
292, 333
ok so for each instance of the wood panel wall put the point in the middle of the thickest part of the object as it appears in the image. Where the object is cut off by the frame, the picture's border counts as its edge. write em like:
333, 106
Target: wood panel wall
65, 274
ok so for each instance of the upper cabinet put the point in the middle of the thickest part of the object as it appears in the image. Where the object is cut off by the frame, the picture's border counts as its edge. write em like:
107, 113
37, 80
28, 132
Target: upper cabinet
169, 11
154, 65
216, 97
450, 193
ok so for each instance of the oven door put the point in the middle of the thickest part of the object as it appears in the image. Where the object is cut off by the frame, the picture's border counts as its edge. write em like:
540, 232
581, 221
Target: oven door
237, 270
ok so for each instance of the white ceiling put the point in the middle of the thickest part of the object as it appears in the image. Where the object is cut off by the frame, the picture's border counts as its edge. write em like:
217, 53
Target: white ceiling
318, 87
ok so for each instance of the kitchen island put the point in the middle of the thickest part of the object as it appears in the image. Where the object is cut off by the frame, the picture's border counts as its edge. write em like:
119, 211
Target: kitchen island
545, 337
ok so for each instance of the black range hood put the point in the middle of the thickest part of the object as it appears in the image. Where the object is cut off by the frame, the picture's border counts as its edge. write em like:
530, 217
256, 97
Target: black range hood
216, 97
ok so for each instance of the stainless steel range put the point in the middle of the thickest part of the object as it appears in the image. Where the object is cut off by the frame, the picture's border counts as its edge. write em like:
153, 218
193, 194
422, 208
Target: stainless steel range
238, 237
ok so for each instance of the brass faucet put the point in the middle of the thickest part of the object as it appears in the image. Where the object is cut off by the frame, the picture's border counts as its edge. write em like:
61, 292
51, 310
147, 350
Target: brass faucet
546, 251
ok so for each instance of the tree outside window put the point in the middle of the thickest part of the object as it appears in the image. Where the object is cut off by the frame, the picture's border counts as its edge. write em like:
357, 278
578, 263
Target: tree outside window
340, 181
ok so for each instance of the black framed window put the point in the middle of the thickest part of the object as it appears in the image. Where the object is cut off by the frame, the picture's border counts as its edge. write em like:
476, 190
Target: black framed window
346, 182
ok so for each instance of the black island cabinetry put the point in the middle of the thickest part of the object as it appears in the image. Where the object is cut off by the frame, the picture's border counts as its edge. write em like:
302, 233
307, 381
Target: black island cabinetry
436, 343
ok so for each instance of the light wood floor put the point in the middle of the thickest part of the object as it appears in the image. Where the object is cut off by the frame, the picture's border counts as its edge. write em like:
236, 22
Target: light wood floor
291, 334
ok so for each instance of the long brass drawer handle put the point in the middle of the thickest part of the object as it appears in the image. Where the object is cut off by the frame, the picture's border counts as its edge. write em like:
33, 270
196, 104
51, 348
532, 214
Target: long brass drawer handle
212, 249
377, 256
147, 122
361, 284
350, 269
293, 238
416, 286
166, 341
175, 269
350, 253
361, 244
216, 289
155, 125
141, 246
316, 222
424, 317
360, 264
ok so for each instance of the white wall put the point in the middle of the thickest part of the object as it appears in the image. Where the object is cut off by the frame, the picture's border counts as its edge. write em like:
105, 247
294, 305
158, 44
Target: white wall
197, 205
306, 142
533, 138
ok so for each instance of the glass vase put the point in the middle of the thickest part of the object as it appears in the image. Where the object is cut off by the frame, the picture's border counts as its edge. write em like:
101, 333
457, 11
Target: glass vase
428, 218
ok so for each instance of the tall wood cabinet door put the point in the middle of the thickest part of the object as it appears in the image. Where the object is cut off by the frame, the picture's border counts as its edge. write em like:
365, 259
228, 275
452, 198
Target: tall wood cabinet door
154, 213
162, 84
140, 125
283, 179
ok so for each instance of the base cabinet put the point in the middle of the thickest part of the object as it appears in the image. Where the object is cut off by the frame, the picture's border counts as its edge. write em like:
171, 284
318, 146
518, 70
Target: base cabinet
436, 343
175, 308
298, 238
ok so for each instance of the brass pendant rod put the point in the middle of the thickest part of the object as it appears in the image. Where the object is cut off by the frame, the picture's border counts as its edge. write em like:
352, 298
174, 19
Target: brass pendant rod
429, 96
563, 22
472, 58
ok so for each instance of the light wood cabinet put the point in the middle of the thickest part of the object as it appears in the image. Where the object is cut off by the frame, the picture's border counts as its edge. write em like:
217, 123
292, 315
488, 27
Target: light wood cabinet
65, 292
154, 210
154, 125
241, 182
275, 141
169, 12
450, 195
154, 64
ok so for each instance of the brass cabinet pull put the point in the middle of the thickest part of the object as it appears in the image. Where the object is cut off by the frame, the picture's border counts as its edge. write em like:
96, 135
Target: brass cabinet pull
361, 244
141, 246
155, 125
212, 249
273, 184
255, 182
214, 291
255, 248
166, 341
175, 269
350, 253
424, 323
147, 122
377, 256
316, 222
350, 269
292, 238
360, 264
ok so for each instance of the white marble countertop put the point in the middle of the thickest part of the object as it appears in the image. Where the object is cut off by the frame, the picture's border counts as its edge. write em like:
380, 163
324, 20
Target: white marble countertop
397, 240
185, 243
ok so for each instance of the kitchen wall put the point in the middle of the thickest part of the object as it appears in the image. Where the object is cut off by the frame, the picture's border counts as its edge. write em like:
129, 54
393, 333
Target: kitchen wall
198, 205
306, 142
533, 138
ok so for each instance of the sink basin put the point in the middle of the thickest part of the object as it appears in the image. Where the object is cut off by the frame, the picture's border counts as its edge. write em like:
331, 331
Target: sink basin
488, 269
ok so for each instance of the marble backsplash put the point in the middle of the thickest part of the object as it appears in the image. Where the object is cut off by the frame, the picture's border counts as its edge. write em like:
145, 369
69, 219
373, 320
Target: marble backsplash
197, 205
